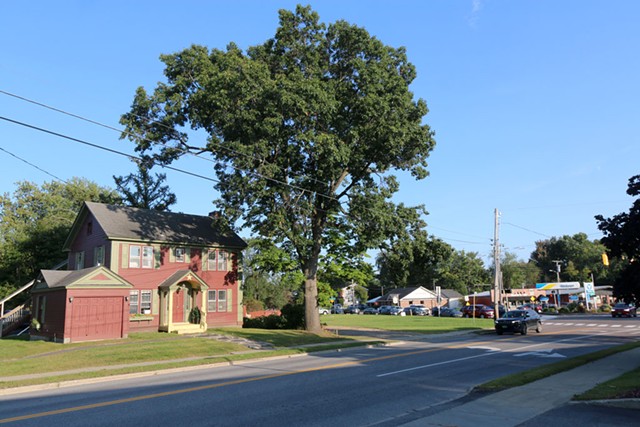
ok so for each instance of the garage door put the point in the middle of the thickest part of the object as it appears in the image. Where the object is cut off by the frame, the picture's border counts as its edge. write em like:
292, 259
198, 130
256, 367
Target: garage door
96, 318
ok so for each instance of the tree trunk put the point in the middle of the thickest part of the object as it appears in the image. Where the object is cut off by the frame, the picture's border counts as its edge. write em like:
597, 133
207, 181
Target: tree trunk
311, 313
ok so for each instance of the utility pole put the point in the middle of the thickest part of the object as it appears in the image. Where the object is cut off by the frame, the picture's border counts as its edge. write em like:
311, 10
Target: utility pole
497, 294
557, 263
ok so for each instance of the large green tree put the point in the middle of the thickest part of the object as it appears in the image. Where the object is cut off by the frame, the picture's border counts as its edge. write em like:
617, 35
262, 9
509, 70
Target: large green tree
306, 128
577, 256
34, 223
622, 239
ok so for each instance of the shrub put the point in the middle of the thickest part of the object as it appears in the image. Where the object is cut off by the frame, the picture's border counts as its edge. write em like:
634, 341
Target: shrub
195, 315
564, 310
293, 315
605, 308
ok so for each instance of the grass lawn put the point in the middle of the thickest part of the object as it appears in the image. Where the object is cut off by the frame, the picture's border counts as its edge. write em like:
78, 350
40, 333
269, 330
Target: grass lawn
417, 324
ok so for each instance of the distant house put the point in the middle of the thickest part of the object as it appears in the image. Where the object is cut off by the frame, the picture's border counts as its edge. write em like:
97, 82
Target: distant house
139, 270
405, 297
451, 298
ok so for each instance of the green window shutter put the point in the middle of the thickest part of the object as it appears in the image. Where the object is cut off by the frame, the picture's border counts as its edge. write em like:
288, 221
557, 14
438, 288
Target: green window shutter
187, 255
230, 257
172, 255
157, 255
125, 255
205, 258
229, 301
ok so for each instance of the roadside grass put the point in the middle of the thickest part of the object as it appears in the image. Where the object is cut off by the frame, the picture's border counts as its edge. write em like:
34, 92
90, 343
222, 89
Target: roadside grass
608, 390
21, 357
417, 324
625, 386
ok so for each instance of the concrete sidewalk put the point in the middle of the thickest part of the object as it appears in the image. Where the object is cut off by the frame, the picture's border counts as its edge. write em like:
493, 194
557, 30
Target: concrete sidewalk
517, 405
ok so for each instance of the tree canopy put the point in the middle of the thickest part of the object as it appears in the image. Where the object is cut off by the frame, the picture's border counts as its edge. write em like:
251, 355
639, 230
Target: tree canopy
421, 260
34, 223
306, 128
622, 239
577, 256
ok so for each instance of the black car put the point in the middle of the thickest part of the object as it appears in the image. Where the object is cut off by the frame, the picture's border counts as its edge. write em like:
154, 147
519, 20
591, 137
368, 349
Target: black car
519, 321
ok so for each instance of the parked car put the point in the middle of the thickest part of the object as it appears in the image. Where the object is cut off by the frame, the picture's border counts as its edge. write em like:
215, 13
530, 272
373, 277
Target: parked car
531, 306
519, 321
352, 309
416, 310
337, 309
323, 310
370, 310
623, 310
477, 310
450, 312
396, 311
385, 309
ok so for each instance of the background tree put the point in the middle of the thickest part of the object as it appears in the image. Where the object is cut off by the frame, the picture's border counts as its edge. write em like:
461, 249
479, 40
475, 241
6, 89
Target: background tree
578, 256
421, 260
270, 277
306, 129
34, 224
622, 239
143, 190
517, 273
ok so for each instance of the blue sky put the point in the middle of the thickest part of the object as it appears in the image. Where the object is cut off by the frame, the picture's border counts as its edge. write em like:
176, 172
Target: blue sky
534, 103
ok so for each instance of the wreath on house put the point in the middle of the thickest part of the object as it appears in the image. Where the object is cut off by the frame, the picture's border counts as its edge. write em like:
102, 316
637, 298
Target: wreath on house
195, 315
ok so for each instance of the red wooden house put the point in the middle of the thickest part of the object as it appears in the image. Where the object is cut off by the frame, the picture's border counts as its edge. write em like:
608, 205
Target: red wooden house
139, 270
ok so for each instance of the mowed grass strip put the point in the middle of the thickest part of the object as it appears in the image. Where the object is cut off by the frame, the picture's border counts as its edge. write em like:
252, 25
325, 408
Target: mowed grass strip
611, 390
23, 357
418, 324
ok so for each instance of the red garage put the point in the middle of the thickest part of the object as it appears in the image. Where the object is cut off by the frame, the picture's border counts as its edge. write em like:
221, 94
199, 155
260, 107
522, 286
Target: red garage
81, 305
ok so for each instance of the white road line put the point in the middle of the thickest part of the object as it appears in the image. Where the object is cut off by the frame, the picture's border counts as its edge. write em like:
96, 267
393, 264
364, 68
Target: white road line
488, 353
616, 326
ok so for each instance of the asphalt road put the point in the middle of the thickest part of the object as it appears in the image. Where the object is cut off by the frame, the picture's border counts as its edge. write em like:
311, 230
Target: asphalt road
389, 385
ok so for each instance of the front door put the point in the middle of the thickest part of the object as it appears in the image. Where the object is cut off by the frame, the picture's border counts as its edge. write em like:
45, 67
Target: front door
178, 305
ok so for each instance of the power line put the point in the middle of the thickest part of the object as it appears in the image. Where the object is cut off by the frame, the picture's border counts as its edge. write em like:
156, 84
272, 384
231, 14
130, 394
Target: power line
122, 132
32, 165
110, 150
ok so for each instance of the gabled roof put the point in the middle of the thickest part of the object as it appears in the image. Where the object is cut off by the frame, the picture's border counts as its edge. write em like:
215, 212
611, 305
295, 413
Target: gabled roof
87, 277
408, 293
451, 294
125, 223
182, 276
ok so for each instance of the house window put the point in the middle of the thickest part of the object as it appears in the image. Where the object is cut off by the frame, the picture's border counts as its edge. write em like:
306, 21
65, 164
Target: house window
133, 302
211, 301
79, 260
147, 257
222, 300
134, 256
89, 228
99, 256
140, 256
145, 302
180, 254
211, 261
42, 304
222, 261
